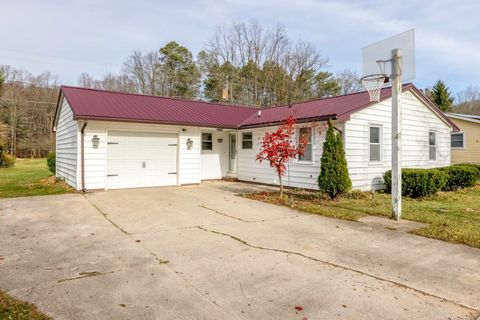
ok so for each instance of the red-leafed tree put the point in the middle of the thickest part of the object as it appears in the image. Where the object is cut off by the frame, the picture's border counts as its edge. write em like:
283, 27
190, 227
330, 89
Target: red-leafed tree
278, 148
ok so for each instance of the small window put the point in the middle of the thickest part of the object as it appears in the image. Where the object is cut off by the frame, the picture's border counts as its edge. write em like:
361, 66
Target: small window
458, 140
432, 146
375, 144
247, 140
306, 133
207, 141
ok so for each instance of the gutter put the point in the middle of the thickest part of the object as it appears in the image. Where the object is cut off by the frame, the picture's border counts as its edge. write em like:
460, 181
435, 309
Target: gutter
82, 146
302, 120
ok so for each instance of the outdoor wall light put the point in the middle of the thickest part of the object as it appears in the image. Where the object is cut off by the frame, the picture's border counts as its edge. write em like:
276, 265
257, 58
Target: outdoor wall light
189, 144
95, 141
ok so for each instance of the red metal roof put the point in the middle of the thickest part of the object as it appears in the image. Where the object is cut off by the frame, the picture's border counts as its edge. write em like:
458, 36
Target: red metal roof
109, 105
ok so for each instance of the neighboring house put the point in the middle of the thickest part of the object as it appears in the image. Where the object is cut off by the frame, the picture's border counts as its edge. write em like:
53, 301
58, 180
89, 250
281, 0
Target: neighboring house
465, 142
109, 140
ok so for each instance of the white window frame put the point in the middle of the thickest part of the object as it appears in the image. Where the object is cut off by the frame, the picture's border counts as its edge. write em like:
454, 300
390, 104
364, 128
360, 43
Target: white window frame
380, 143
310, 143
251, 140
201, 141
463, 140
435, 145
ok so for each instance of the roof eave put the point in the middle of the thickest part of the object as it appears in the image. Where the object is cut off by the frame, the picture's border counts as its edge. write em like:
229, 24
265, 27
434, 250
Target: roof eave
57, 110
207, 125
299, 120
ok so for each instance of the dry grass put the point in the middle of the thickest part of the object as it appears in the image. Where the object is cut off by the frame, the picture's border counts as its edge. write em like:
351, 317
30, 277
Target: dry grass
13, 309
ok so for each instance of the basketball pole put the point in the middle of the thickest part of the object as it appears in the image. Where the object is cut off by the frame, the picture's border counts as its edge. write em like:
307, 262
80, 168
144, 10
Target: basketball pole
397, 134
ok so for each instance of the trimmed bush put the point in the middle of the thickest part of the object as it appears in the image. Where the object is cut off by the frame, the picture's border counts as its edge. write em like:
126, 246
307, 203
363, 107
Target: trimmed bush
470, 165
6, 160
334, 178
460, 176
51, 160
418, 182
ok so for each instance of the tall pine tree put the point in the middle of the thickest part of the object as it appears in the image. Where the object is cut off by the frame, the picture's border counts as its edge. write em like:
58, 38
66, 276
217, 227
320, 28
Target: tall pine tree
441, 96
334, 178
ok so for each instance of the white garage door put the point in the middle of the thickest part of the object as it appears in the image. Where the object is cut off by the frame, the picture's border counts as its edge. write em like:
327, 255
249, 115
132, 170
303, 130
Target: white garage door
141, 159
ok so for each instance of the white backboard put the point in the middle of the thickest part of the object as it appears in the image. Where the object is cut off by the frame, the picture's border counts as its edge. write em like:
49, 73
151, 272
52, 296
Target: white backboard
382, 50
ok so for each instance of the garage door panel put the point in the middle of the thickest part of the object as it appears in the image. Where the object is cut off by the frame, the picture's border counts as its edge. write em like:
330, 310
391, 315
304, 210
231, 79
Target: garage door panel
141, 159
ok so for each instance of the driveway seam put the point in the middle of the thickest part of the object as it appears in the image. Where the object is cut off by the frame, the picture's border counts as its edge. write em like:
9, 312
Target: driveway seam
165, 262
398, 284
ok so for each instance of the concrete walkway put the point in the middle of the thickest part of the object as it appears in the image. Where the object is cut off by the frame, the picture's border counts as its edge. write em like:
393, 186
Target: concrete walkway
201, 252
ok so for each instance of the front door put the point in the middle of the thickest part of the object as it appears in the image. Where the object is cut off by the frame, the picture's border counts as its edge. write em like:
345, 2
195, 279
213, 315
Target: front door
232, 152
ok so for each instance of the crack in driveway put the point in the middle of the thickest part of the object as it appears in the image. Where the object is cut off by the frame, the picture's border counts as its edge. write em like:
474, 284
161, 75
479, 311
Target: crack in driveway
243, 220
87, 274
153, 255
128, 234
398, 284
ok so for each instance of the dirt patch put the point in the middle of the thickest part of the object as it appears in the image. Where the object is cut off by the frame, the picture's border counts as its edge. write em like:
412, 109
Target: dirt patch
52, 181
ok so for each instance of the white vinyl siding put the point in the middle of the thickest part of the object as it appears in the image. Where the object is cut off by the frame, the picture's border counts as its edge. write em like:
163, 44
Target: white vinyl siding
66, 145
417, 121
214, 162
299, 174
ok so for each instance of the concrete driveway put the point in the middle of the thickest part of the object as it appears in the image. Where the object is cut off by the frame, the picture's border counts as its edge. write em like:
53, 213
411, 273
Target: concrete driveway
201, 252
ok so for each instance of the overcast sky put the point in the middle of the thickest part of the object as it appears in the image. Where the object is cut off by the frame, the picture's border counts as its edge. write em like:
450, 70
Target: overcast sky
95, 36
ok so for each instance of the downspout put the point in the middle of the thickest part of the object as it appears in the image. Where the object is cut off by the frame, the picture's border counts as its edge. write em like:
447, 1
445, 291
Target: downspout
82, 146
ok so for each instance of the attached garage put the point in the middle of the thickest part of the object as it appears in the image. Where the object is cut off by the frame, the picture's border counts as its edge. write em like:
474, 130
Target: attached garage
141, 159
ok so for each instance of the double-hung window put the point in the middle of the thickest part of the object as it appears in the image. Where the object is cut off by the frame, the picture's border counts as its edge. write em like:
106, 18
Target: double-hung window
458, 140
247, 140
207, 141
432, 146
375, 143
305, 136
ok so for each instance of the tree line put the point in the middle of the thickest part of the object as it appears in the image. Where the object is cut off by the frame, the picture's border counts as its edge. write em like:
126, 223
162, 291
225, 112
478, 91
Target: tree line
242, 63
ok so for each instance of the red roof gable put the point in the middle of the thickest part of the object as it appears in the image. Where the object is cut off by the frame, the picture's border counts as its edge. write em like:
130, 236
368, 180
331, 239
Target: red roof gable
109, 105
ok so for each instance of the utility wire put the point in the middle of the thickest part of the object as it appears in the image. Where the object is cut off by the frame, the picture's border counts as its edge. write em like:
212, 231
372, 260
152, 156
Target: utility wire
29, 101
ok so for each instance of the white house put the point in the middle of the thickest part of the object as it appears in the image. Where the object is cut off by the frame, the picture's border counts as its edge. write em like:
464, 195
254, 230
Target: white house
108, 140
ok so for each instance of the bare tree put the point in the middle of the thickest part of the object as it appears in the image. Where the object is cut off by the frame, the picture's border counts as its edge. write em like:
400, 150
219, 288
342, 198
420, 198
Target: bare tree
349, 82
142, 69
86, 80
27, 107
260, 66
468, 101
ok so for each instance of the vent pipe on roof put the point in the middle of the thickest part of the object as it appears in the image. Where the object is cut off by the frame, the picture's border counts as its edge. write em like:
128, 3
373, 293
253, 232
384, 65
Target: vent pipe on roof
259, 113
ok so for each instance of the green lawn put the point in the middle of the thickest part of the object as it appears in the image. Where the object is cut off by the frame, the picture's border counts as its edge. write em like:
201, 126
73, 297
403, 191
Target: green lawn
13, 309
452, 216
29, 177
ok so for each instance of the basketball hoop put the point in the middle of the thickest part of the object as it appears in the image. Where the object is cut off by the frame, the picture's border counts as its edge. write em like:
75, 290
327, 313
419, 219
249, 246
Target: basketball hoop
373, 84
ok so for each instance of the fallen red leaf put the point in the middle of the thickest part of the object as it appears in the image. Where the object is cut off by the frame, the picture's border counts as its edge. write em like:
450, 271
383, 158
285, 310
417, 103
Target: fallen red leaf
298, 308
